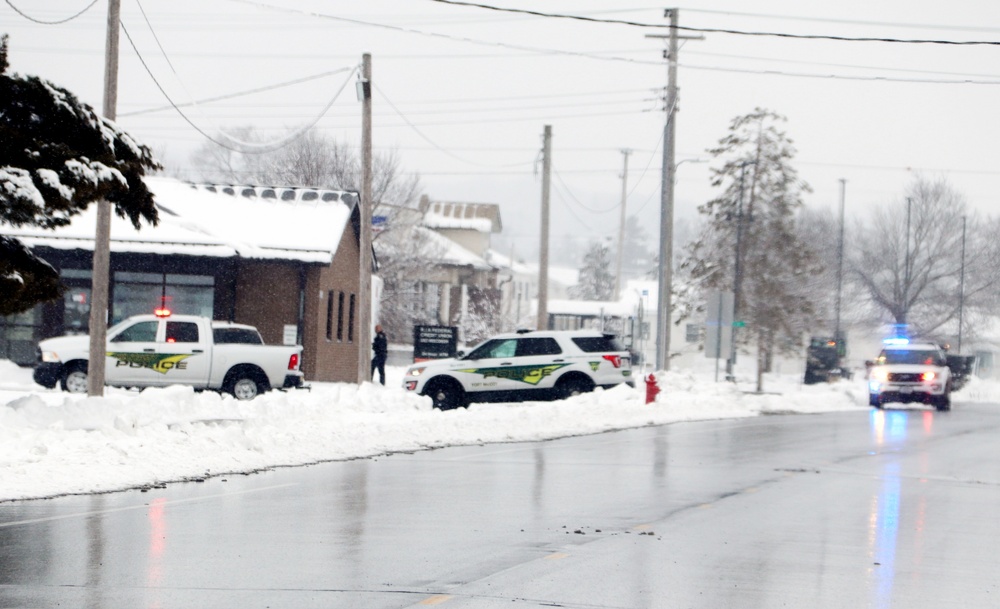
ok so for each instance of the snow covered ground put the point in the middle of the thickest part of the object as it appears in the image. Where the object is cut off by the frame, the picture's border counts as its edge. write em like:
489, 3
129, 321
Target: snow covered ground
53, 443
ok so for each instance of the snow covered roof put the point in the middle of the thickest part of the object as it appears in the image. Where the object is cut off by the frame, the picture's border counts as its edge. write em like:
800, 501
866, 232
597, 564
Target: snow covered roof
448, 252
481, 217
270, 223
589, 307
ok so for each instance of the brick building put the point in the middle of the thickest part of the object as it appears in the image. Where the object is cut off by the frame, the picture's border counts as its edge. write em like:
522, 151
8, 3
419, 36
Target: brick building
282, 259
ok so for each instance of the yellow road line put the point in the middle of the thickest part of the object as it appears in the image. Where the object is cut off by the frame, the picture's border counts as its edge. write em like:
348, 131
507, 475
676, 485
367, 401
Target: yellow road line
437, 599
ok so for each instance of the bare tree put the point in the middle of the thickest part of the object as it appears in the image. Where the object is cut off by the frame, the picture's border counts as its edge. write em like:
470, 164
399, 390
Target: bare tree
312, 159
908, 260
408, 255
751, 226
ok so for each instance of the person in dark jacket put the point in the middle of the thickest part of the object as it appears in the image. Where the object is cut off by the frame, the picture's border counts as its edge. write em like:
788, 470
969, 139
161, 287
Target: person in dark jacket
381, 348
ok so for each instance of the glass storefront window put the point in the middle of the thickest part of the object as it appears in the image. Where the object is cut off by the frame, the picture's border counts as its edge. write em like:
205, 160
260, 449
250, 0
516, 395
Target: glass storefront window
141, 293
76, 310
17, 336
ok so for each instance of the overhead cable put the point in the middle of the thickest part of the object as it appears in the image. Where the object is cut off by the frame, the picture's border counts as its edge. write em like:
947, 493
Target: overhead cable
43, 22
235, 144
235, 94
723, 30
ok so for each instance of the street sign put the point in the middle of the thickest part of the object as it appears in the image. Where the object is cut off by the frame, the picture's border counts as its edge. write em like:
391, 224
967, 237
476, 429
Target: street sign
719, 324
434, 342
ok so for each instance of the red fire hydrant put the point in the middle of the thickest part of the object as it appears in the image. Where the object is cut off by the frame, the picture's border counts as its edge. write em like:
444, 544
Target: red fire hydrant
651, 389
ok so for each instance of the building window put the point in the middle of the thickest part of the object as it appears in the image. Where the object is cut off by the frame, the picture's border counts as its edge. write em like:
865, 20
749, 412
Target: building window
350, 324
18, 336
340, 316
139, 293
329, 315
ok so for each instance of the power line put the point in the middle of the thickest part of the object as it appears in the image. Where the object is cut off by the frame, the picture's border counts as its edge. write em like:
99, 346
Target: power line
447, 36
894, 24
245, 147
615, 207
421, 133
236, 94
724, 30
58, 22
933, 81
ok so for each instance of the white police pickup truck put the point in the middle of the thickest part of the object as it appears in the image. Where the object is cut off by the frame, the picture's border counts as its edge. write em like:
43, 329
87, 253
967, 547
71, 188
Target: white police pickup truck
164, 349
525, 365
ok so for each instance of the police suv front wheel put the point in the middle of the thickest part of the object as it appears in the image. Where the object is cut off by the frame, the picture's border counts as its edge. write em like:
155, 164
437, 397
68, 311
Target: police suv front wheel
446, 395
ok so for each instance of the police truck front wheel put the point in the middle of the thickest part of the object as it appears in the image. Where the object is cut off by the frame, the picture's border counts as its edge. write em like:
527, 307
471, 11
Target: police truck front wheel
74, 379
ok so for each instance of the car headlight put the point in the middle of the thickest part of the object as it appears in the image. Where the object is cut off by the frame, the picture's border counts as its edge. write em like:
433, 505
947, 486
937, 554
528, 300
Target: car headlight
880, 375
416, 371
50, 356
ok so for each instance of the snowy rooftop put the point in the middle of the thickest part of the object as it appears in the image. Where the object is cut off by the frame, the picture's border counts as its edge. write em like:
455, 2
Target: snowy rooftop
482, 217
222, 221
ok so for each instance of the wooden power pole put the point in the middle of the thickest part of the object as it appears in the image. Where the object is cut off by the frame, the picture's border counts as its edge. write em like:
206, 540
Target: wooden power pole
542, 322
100, 278
365, 233
621, 229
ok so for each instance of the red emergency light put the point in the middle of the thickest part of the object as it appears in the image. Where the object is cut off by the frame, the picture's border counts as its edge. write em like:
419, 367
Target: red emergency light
161, 312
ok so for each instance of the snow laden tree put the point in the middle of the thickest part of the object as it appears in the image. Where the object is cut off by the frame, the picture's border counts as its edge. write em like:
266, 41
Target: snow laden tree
638, 252
749, 243
907, 258
57, 156
597, 281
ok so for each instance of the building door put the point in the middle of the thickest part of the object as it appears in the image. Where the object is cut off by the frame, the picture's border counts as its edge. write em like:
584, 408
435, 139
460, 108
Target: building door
132, 356
185, 354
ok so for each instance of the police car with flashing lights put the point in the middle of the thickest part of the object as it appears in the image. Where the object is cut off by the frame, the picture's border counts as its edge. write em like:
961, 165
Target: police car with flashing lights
908, 372
526, 365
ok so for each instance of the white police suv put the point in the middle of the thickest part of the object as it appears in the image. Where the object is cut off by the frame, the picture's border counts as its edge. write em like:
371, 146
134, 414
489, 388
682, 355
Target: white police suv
910, 372
526, 365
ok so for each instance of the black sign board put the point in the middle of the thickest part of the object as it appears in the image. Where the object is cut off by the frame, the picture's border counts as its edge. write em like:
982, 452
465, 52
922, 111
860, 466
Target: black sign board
434, 342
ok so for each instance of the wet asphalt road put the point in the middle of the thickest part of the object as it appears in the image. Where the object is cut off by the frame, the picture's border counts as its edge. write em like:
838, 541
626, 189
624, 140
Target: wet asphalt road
879, 509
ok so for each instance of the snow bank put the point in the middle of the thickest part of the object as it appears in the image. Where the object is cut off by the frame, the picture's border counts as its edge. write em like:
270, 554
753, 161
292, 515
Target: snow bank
53, 443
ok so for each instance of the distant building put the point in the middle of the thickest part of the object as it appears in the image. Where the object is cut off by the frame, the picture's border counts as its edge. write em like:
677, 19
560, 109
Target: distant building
282, 259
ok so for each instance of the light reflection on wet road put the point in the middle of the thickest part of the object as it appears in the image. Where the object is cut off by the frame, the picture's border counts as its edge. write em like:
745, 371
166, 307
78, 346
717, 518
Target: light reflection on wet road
884, 509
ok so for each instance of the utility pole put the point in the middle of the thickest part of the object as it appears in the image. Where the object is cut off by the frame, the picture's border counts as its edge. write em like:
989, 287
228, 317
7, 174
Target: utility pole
905, 292
621, 227
542, 321
840, 265
665, 271
737, 274
961, 291
365, 234
102, 236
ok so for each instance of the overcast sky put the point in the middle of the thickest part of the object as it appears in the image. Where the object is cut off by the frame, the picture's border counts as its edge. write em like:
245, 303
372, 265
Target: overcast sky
463, 93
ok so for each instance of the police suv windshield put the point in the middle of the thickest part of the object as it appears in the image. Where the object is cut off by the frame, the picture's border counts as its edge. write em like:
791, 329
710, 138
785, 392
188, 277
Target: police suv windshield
925, 357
